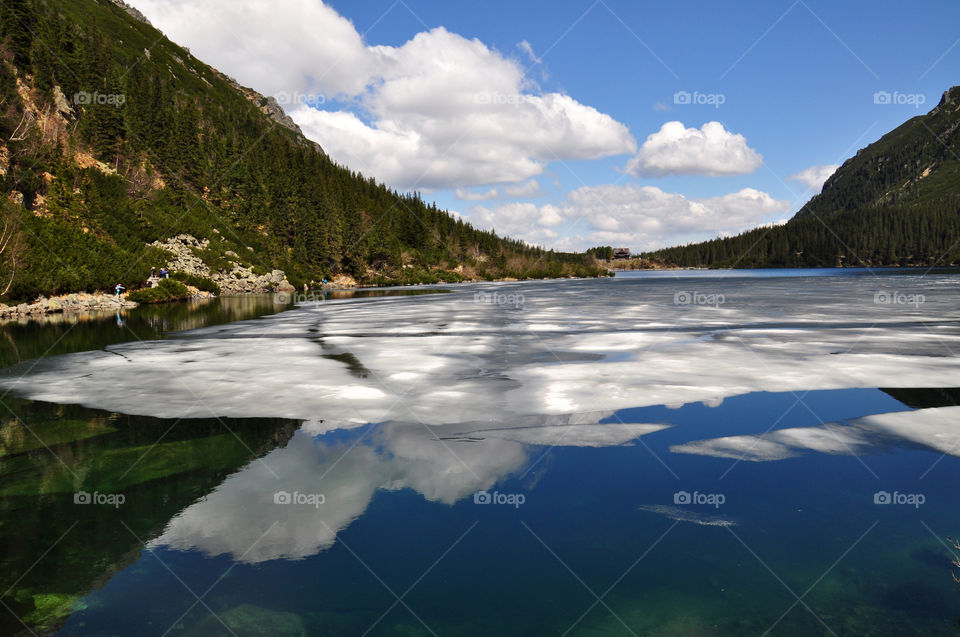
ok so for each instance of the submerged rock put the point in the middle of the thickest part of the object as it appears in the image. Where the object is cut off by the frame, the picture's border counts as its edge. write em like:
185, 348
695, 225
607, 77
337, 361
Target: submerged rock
247, 620
686, 515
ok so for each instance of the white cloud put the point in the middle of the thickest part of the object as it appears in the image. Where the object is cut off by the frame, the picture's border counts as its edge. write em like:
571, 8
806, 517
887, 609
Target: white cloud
527, 221
295, 45
439, 111
643, 217
524, 190
711, 150
528, 49
814, 176
464, 194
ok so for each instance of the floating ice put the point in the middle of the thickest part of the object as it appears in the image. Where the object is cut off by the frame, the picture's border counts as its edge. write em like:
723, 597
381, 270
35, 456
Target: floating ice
687, 515
574, 346
937, 429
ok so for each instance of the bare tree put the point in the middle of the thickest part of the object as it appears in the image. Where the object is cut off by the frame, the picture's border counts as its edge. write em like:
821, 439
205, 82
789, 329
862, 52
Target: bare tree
12, 249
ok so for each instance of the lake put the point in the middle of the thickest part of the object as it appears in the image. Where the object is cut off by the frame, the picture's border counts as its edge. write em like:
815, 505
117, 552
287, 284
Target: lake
694, 453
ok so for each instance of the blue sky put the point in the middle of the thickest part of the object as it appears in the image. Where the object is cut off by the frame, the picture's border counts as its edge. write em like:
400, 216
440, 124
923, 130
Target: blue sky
469, 102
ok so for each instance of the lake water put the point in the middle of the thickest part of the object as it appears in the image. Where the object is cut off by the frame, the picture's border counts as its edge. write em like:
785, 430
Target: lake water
692, 453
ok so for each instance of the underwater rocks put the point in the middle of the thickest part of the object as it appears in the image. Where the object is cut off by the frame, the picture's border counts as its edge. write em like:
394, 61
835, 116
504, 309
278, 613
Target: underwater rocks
247, 620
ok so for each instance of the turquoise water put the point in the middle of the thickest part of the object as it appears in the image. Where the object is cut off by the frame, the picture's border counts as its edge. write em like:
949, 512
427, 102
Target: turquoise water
752, 509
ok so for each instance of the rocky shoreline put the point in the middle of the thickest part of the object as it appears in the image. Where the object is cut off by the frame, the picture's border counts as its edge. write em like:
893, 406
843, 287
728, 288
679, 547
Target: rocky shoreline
66, 304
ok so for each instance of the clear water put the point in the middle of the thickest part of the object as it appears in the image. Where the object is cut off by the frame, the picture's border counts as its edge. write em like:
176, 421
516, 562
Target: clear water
657, 465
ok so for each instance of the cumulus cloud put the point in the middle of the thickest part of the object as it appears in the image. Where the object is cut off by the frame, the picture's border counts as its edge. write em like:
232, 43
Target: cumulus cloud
524, 190
644, 217
710, 150
439, 111
814, 176
272, 46
464, 194
534, 224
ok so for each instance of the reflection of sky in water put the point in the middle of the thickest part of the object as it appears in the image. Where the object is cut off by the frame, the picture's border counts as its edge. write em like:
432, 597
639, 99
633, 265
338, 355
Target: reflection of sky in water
348, 472
399, 499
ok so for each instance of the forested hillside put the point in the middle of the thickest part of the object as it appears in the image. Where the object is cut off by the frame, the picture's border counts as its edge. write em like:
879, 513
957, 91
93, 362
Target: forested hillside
113, 137
896, 202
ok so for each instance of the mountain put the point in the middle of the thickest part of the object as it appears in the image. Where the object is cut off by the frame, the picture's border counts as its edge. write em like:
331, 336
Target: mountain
113, 138
896, 202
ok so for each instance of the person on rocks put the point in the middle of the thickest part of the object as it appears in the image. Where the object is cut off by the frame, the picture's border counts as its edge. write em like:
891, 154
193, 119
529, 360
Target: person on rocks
118, 288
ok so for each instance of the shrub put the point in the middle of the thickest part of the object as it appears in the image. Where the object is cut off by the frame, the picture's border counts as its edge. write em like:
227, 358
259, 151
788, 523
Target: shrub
202, 283
166, 290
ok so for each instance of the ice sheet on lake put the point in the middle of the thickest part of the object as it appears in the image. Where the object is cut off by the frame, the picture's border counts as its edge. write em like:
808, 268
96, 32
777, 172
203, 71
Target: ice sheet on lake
937, 429
570, 347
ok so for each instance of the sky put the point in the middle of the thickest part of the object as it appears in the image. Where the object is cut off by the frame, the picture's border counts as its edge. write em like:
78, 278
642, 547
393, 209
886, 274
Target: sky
577, 123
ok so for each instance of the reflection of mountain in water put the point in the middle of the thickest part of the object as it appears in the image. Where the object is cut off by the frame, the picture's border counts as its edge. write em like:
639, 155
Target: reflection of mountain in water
48, 452
926, 397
